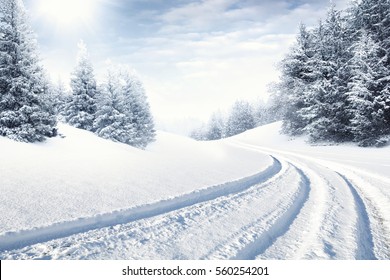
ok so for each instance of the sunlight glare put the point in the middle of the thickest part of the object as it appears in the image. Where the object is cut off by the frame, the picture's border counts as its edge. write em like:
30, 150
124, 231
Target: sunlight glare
68, 12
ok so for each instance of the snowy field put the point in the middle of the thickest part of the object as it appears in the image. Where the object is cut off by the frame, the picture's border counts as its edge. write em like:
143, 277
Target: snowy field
258, 195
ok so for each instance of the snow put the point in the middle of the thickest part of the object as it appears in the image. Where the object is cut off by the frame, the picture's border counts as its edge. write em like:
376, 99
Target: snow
257, 195
82, 175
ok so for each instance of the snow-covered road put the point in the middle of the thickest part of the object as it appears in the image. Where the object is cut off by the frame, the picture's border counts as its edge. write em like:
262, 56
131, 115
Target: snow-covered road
308, 203
345, 217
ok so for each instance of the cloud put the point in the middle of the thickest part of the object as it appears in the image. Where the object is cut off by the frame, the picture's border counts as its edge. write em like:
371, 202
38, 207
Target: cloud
207, 54
193, 56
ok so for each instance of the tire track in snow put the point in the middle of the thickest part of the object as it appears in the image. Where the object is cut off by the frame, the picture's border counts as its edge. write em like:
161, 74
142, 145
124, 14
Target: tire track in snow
281, 225
377, 206
365, 240
173, 235
246, 242
371, 230
17, 240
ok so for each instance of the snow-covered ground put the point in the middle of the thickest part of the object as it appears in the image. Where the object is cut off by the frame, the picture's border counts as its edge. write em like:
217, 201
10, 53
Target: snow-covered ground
255, 195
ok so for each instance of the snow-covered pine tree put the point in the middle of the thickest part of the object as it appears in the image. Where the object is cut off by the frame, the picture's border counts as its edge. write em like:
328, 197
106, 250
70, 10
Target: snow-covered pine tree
298, 73
111, 121
260, 112
341, 92
270, 111
373, 16
215, 127
59, 95
24, 114
275, 106
365, 105
199, 133
81, 109
325, 113
137, 110
240, 119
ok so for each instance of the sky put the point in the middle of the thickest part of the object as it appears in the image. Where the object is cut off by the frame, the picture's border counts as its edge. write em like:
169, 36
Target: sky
193, 56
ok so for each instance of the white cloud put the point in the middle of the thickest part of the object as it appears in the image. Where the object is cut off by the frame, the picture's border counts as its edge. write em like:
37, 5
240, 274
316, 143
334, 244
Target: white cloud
198, 56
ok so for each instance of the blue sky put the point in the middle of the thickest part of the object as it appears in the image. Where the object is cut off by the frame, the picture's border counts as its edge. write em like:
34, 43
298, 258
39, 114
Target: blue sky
193, 56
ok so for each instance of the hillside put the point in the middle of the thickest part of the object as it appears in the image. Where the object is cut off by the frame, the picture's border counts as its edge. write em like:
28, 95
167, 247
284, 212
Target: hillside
258, 195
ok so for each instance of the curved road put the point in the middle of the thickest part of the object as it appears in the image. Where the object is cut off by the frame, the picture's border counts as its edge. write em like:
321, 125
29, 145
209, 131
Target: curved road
301, 207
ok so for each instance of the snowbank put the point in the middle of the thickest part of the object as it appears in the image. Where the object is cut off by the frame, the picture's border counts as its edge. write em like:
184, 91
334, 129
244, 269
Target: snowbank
373, 160
82, 175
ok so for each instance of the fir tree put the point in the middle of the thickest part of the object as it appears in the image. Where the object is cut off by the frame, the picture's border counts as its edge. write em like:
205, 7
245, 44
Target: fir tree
81, 109
24, 112
373, 16
112, 121
366, 107
199, 133
215, 127
137, 110
59, 95
241, 119
326, 113
298, 73
346, 95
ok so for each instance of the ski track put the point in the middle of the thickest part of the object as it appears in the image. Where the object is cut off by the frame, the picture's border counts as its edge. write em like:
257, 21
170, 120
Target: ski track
298, 208
16, 240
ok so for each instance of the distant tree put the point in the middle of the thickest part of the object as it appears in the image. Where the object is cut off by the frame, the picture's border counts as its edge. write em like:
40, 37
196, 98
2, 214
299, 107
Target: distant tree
270, 111
57, 96
199, 133
276, 108
240, 119
260, 113
137, 110
24, 112
60, 96
215, 127
81, 109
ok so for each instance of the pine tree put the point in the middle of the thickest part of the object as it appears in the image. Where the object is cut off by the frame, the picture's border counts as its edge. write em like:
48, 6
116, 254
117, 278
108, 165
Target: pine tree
81, 109
298, 73
241, 119
325, 114
373, 16
111, 121
346, 95
270, 111
199, 133
137, 110
24, 112
59, 95
260, 113
215, 127
366, 107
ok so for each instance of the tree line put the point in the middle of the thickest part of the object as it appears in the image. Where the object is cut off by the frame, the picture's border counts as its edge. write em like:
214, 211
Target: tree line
242, 116
334, 84
335, 79
30, 105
